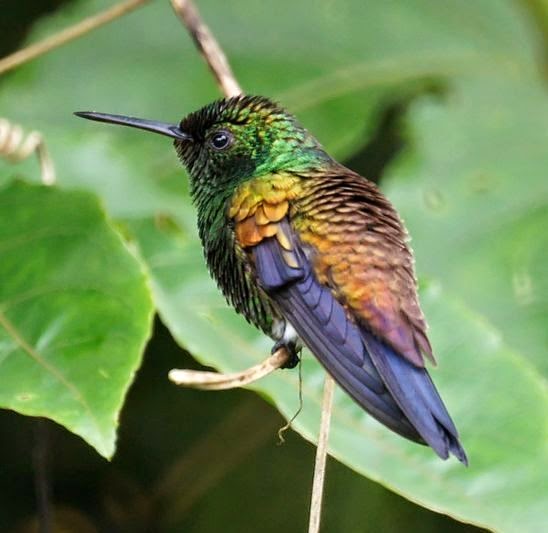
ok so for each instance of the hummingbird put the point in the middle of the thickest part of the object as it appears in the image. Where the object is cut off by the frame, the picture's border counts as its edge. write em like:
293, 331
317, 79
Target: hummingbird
312, 254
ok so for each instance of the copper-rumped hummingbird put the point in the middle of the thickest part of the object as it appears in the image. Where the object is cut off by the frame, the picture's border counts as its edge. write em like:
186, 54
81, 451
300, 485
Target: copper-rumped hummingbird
313, 254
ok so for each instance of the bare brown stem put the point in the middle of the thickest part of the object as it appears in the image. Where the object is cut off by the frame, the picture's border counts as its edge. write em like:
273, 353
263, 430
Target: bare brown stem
321, 456
198, 379
208, 46
73, 32
218, 64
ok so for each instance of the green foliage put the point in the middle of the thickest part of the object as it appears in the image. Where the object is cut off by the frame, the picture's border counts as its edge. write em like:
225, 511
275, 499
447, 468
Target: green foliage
75, 311
471, 185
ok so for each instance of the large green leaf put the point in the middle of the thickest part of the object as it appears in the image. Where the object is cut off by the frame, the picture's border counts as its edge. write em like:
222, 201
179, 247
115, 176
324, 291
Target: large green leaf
487, 387
476, 378
75, 312
471, 187
474, 192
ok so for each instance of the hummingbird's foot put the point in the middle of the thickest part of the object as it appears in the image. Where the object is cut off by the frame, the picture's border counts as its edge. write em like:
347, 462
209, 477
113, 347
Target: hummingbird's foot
292, 350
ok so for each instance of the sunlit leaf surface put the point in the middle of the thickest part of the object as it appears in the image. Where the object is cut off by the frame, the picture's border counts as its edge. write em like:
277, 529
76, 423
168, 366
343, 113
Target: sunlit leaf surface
75, 312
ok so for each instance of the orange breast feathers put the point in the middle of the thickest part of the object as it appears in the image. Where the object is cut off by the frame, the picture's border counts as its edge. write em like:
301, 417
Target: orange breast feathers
258, 206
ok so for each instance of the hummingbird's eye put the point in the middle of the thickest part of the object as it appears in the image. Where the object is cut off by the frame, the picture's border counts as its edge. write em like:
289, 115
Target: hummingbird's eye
221, 140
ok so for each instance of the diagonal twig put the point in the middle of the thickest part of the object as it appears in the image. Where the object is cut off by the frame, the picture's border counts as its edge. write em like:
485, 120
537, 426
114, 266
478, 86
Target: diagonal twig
321, 456
218, 64
15, 145
208, 46
215, 381
73, 32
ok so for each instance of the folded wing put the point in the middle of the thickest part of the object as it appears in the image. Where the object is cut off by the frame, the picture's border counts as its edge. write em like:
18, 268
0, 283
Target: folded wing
396, 392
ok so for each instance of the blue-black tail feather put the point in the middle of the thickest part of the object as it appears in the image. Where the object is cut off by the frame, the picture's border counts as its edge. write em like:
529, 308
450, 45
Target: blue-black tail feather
413, 390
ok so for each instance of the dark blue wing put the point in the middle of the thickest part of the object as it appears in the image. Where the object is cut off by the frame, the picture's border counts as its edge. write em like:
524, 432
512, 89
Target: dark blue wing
393, 390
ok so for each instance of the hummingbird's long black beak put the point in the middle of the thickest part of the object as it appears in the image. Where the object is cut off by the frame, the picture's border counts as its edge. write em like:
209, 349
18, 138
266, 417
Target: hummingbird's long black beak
171, 130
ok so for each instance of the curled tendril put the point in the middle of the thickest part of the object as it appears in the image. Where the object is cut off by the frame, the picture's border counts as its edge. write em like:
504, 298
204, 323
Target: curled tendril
17, 145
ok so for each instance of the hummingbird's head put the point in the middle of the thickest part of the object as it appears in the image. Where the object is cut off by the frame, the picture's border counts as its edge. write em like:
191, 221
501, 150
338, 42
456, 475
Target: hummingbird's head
233, 139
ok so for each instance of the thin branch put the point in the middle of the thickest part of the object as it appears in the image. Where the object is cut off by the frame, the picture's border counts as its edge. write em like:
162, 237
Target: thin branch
198, 379
73, 32
219, 66
208, 46
321, 456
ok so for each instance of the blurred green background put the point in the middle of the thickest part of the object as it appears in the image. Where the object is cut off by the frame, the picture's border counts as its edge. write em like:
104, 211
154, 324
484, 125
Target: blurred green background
441, 102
